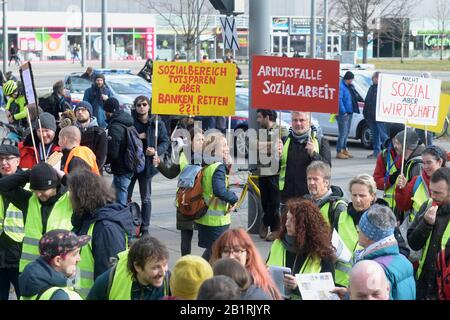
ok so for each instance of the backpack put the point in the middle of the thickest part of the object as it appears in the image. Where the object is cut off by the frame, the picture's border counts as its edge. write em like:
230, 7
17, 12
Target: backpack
134, 157
190, 193
443, 273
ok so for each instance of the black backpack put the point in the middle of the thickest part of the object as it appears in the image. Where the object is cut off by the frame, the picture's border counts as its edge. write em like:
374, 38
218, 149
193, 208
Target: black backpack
134, 156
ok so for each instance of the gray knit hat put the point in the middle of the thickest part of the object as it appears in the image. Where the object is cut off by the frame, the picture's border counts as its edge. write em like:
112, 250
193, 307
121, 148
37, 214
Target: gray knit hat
412, 140
48, 121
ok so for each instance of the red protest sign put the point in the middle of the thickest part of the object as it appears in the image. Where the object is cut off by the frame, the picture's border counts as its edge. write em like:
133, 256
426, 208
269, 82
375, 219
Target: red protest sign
295, 84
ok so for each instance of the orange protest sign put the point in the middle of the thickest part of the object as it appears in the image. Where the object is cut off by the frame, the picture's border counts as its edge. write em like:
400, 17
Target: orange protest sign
444, 105
198, 89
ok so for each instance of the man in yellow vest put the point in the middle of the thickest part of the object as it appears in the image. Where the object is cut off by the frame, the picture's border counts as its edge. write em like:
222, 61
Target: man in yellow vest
47, 206
301, 147
48, 277
11, 227
69, 141
430, 231
141, 273
329, 199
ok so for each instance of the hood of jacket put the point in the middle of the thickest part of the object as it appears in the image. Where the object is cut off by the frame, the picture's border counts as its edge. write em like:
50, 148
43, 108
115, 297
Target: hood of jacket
116, 213
92, 123
38, 276
121, 118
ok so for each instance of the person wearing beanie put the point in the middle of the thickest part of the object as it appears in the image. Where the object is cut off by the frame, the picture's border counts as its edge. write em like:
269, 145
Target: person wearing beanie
92, 136
11, 224
344, 118
56, 103
388, 166
118, 122
49, 277
376, 237
188, 274
141, 273
96, 95
46, 138
45, 205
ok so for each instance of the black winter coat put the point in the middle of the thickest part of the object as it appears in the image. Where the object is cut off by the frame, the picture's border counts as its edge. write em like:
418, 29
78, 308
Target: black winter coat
117, 141
95, 138
55, 104
370, 104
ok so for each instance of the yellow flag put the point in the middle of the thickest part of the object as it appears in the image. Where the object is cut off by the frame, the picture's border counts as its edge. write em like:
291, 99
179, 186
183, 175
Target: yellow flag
444, 105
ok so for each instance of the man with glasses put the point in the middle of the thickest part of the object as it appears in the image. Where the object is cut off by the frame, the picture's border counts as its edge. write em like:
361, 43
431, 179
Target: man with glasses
11, 227
92, 136
145, 126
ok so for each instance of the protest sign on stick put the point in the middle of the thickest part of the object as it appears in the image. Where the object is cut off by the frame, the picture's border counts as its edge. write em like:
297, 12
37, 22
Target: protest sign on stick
194, 89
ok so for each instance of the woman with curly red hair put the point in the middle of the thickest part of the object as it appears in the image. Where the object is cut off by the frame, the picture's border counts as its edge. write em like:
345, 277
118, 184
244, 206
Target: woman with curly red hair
237, 244
304, 244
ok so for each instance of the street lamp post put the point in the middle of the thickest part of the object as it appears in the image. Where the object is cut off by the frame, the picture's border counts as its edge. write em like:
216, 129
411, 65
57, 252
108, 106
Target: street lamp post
104, 35
312, 49
5, 37
325, 28
83, 33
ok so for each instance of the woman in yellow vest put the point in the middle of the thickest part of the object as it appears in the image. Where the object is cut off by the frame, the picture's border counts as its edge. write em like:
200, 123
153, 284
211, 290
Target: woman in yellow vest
303, 245
96, 214
185, 225
47, 278
219, 199
411, 195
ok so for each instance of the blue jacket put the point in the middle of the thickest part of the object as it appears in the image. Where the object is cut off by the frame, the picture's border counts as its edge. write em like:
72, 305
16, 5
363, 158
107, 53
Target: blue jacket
399, 271
345, 99
38, 276
93, 95
219, 186
108, 237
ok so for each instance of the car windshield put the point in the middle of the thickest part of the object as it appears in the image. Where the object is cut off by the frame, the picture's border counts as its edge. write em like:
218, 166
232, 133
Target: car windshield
78, 85
129, 85
363, 81
241, 102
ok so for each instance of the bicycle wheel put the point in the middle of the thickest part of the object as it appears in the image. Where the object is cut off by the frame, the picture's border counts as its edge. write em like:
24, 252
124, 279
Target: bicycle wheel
444, 131
240, 218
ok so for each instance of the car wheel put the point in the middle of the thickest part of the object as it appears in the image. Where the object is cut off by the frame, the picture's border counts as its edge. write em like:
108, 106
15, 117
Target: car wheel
366, 136
241, 142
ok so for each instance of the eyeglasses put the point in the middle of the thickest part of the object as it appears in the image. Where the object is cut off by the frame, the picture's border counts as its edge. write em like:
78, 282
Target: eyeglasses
81, 109
7, 159
143, 104
236, 251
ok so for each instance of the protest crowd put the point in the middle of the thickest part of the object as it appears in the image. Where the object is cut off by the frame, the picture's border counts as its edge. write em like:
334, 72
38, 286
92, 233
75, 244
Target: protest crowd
66, 233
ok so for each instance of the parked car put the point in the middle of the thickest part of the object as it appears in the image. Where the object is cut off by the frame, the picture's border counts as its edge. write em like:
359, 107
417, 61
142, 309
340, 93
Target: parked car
359, 129
124, 86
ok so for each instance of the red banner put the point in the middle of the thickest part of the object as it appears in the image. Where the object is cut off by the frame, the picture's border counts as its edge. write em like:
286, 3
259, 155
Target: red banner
295, 84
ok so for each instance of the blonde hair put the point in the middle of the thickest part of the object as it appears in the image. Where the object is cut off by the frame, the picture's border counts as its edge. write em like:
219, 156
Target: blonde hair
212, 141
365, 180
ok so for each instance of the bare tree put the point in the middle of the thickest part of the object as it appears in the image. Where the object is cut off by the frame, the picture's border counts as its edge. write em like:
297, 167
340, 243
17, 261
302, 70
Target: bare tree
441, 15
362, 12
398, 24
187, 18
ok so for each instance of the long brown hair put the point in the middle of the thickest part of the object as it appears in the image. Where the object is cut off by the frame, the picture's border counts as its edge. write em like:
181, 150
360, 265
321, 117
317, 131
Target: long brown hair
312, 234
254, 264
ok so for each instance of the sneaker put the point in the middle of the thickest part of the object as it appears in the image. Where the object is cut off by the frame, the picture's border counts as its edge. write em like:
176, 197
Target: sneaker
341, 155
272, 236
263, 231
345, 151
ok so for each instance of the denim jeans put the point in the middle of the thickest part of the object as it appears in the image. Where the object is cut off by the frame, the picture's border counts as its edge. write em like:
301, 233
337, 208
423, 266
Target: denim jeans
145, 190
379, 135
344, 123
121, 183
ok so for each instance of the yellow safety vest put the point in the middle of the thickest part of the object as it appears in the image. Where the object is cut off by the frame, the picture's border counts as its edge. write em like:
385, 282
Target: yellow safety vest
420, 196
122, 281
444, 240
216, 215
349, 235
325, 208
284, 157
388, 195
49, 293
60, 218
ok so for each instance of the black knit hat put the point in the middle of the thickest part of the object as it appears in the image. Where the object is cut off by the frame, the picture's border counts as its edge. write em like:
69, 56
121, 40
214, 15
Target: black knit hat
43, 177
111, 105
349, 75
9, 150
99, 75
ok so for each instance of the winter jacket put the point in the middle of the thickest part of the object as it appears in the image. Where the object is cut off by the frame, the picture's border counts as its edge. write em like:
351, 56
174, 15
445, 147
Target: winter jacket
354, 95
99, 290
370, 104
399, 271
38, 276
333, 212
17, 107
93, 95
415, 160
55, 104
418, 234
345, 99
254, 293
219, 187
149, 129
403, 197
112, 223
117, 141
379, 173
95, 138
297, 161
11, 188
27, 151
